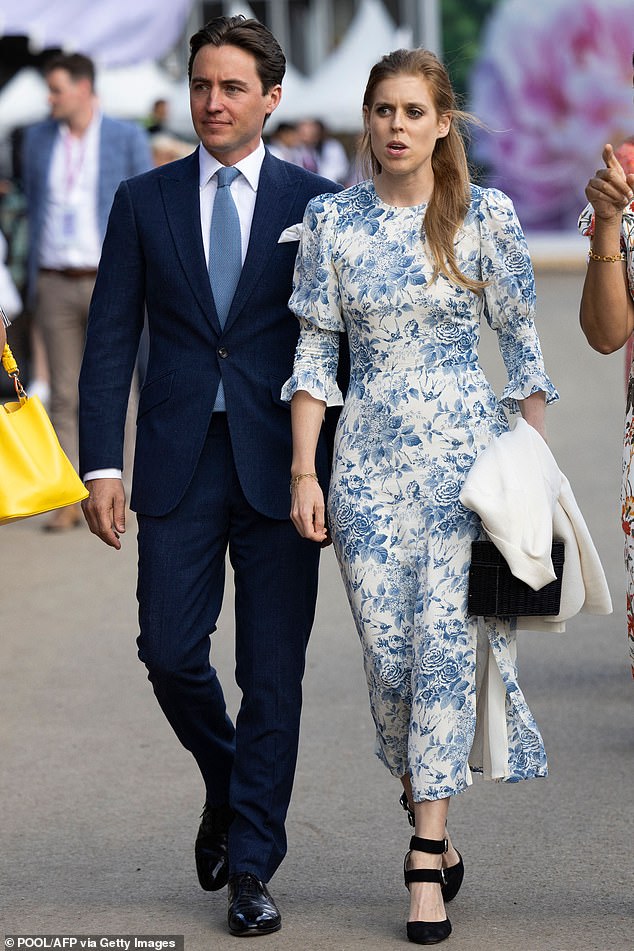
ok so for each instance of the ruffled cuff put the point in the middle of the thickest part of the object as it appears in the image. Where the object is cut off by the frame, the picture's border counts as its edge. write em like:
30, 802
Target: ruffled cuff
315, 365
523, 388
325, 390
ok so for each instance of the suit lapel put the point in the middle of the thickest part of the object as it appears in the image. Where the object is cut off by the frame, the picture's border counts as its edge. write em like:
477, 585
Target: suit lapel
273, 203
181, 197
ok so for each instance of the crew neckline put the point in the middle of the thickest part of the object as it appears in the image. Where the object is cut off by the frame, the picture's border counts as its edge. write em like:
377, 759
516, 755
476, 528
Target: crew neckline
385, 204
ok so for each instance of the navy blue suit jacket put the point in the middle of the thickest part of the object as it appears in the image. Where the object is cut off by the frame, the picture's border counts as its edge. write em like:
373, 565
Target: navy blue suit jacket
153, 257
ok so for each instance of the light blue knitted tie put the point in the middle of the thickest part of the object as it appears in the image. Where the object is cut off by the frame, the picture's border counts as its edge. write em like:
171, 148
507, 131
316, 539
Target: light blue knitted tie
225, 244
225, 254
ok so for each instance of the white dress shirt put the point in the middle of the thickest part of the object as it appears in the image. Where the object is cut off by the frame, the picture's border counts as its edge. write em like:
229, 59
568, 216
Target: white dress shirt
244, 190
70, 232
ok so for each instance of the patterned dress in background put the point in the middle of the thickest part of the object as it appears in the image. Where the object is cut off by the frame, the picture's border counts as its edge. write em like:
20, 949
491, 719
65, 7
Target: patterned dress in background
586, 226
418, 411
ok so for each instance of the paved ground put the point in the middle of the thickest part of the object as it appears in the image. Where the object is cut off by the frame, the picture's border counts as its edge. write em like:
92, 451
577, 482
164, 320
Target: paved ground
100, 805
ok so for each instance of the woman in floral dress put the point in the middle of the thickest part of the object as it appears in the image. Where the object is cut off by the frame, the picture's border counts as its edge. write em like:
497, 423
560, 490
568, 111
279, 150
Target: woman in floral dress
407, 264
607, 313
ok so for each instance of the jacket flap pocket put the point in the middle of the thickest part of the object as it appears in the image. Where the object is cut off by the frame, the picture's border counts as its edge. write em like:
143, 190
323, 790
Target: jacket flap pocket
155, 392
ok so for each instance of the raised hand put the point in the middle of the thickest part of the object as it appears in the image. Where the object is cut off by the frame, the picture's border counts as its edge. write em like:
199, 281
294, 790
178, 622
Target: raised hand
610, 190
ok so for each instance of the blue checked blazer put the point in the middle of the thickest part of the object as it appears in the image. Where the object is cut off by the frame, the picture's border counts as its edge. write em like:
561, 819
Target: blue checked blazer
124, 151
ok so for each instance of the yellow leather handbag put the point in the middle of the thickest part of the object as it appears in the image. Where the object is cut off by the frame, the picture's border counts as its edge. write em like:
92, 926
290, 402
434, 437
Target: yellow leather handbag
35, 474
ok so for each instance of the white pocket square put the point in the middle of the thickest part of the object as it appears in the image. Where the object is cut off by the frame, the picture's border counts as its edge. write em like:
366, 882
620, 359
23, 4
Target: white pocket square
293, 233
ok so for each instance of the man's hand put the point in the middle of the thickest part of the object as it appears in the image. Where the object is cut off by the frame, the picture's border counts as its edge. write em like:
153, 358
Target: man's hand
104, 510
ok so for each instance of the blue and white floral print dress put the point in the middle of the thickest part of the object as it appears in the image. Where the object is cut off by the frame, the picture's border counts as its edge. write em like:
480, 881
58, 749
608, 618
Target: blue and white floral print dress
417, 412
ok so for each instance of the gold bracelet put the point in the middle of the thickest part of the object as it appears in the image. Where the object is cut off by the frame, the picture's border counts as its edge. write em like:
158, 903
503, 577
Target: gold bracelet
296, 479
609, 258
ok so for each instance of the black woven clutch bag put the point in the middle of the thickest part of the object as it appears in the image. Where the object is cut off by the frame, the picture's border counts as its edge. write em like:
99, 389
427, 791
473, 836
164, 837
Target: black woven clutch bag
495, 592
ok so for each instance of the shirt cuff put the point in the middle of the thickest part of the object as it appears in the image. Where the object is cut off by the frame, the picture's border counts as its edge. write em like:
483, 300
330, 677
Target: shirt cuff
102, 474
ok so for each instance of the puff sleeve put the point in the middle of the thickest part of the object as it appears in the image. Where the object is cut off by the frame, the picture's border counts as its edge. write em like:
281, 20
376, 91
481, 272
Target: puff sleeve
509, 299
317, 304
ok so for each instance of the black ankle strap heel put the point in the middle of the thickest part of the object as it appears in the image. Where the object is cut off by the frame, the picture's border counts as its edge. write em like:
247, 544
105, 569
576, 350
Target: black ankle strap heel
454, 874
426, 932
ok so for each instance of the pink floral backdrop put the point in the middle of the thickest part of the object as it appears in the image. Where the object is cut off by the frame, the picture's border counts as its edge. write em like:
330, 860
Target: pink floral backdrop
553, 83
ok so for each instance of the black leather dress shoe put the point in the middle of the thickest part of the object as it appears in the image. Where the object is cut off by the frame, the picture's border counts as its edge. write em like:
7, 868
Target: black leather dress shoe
252, 911
211, 849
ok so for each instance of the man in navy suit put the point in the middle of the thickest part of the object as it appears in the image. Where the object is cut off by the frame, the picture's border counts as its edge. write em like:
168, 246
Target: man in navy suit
72, 163
213, 453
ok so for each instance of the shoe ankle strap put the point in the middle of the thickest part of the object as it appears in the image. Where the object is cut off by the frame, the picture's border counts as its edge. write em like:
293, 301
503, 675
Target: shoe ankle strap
435, 846
435, 875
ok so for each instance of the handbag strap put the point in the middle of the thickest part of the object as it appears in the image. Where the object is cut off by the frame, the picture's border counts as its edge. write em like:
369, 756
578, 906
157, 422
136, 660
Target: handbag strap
10, 365
8, 361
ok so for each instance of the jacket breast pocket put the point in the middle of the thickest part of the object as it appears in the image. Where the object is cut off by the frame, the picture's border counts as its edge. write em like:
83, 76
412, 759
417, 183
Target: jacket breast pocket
155, 392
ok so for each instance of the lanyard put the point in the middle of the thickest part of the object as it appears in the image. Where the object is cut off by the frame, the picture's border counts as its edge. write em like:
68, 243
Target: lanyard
73, 161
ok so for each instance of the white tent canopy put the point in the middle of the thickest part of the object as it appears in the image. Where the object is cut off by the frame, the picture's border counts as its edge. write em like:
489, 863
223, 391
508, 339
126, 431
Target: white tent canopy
22, 100
113, 33
128, 92
334, 93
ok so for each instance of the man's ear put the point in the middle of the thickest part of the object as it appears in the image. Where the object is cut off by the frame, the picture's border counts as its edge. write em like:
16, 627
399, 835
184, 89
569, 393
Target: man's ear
275, 95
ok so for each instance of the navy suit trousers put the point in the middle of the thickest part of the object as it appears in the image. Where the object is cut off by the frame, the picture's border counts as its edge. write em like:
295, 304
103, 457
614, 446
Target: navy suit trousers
180, 589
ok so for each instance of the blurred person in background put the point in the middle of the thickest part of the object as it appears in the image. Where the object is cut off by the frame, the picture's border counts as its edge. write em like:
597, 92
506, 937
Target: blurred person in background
72, 163
321, 152
283, 143
168, 148
607, 311
157, 121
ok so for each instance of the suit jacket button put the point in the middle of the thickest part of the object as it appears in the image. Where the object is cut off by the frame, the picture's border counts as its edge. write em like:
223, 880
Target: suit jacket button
223, 352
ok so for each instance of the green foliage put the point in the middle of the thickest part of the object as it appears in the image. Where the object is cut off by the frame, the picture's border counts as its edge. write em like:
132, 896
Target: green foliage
462, 22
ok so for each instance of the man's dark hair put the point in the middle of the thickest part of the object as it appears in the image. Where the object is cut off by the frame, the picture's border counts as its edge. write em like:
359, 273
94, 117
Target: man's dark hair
248, 35
284, 127
76, 65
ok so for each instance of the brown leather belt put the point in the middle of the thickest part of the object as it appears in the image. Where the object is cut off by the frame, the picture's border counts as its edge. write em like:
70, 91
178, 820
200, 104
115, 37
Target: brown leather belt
72, 272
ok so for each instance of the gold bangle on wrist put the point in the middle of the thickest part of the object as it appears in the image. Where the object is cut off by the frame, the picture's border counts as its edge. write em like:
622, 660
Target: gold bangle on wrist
608, 258
296, 479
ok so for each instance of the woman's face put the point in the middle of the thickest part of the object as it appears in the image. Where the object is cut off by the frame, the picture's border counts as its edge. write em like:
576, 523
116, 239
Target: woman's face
403, 125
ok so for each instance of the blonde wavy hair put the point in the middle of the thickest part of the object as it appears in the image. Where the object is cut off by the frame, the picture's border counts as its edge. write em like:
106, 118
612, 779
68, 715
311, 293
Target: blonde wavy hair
450, 199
